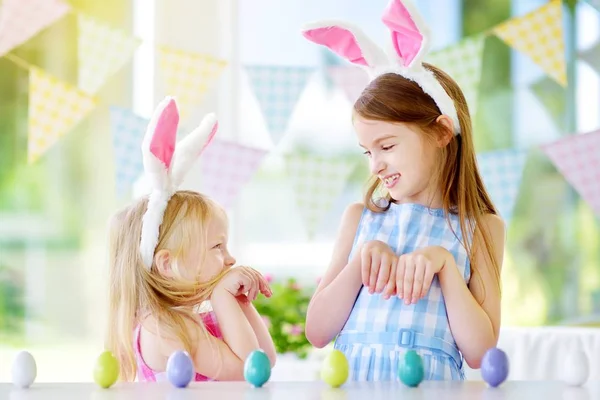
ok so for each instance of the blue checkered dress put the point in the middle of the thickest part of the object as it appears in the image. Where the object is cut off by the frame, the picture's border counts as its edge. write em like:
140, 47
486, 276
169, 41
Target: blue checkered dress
378, 331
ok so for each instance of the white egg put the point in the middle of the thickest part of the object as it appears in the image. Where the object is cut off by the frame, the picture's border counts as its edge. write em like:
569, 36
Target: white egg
24, 369
576, 368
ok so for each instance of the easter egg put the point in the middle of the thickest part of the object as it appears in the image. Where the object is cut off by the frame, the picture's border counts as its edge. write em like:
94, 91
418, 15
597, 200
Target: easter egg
180, 369
411, 370
24, 370
576, 368
106, 371
494, 367
335, 369
257, 368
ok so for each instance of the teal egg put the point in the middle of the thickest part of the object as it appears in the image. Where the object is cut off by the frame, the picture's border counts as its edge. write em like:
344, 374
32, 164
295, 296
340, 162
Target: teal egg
411, 371
257, 368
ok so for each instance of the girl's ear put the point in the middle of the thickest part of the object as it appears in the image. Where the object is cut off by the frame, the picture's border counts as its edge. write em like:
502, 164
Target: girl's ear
162, 259
448, 132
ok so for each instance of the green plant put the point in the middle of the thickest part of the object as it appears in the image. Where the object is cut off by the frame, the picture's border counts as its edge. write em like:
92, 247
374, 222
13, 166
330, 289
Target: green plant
285, 314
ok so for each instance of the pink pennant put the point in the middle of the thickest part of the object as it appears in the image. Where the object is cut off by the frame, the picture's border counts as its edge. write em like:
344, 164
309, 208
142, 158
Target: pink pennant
351, 80
226, 168
577, 158
20, 20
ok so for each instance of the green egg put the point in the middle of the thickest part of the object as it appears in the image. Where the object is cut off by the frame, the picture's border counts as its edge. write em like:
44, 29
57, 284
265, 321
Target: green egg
411, 371
106, 371
334, 370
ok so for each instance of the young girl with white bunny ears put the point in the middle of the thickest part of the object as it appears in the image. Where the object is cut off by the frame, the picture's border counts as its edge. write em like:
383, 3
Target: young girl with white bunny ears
417, 267
168, 255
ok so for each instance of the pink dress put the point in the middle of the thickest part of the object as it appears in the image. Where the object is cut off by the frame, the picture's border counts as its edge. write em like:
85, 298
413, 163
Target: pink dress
147, 374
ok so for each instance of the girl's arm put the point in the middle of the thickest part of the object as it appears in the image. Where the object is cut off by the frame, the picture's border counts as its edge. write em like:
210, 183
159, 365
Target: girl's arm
475, 327
334, 298
265, 340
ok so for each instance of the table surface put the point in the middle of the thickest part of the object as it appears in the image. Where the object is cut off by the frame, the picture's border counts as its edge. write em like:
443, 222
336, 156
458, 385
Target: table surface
428, 390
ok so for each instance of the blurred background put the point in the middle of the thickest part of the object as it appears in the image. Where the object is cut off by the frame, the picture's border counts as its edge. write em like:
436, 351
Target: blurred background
80, 78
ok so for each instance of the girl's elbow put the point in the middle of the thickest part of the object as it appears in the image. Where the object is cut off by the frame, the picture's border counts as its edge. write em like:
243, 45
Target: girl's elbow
316, 338
474, 363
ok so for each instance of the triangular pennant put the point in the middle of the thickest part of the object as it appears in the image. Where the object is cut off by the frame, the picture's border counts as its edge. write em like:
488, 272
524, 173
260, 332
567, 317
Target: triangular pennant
592, 57
502, 171
128, 131
188, 76
55, 107
463, 62
539, 35
552, 96
318, 181
102, 51
351, 80
277, 89
226, 168
20, 20
594, 3
577, 158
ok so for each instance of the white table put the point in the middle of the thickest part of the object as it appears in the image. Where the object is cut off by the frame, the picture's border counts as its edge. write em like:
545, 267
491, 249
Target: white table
545, 390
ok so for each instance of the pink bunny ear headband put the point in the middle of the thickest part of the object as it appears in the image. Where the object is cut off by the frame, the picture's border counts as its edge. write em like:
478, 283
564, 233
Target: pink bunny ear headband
166, 166
410, 41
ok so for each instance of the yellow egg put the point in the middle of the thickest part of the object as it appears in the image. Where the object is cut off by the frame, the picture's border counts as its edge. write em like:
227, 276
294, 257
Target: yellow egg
106, 371
335, 368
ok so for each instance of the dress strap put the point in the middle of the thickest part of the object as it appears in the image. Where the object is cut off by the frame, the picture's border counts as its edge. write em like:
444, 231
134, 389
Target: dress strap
406, 338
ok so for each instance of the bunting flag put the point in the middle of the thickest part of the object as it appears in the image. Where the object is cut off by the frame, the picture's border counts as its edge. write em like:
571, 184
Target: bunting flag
351, 80
463, 62
55, 107
318, 181
539, 35
552, 96
188, 76
594, 3
577, 158
277, 89
20, 20
128, 131
502, 171
592, 57
102, 51
226, 168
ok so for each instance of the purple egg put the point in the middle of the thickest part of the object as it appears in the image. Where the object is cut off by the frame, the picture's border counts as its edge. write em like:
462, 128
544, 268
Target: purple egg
180, 369
494, 367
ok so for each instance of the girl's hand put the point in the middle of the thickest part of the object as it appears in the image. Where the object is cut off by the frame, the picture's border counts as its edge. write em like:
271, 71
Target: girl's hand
378, 265
244, 281
415, 272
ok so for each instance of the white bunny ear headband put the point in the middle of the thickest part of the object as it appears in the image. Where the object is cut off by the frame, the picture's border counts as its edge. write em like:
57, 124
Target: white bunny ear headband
410, 41
166, 166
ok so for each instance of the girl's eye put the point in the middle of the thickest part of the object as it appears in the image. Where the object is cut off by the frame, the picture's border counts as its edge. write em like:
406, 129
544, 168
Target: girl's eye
367, 153
385, 148
218, 246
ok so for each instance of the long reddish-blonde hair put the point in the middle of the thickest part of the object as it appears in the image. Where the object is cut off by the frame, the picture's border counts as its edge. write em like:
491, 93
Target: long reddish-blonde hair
393, 98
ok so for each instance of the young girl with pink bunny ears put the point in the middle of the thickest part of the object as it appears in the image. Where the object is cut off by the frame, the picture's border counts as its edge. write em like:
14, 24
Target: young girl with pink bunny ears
168, 256
416, 266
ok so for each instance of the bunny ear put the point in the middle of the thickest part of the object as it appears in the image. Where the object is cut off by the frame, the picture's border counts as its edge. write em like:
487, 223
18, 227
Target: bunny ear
158, 145
190, 147
346, 40
410, 35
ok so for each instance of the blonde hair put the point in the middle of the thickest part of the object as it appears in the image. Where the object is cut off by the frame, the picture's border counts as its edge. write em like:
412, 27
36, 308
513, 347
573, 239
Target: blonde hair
393, 98
136, 291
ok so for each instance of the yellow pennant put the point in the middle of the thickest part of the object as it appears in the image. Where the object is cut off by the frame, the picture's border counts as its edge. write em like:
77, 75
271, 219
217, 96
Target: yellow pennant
188, 76
539, 35
55, 107
103, 50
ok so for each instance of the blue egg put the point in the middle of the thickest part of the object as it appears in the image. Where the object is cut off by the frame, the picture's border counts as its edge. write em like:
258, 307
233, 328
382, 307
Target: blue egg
257, 368
411, 371
494, 366
180, 369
